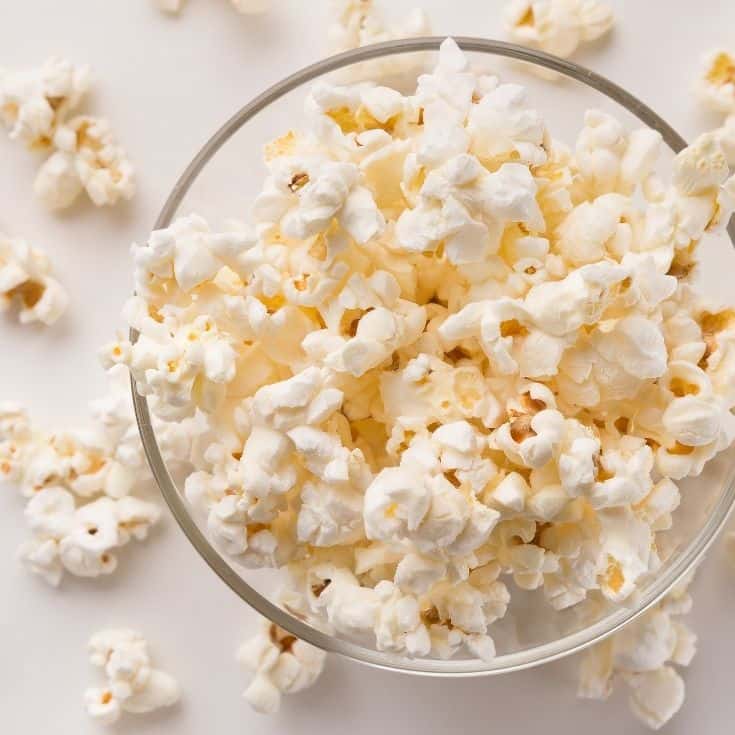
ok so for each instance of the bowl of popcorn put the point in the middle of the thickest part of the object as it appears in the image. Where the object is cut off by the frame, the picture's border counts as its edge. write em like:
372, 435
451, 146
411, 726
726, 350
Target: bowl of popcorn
445, 337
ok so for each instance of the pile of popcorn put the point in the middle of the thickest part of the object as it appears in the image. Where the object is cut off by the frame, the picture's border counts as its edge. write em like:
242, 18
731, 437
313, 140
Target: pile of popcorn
133, 685
82, 485
36, 107
448, 354
557, 27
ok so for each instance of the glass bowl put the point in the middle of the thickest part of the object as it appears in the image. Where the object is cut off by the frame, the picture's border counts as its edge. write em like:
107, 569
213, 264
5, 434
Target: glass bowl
227, 173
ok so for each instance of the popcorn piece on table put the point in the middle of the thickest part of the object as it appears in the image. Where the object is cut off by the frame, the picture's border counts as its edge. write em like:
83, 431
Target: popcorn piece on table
87, 158
80, 484
448, 351
133, 685
557, 26
717, 81
359, 23
35, 102
25, 279
280, 663
246, 7
643, 655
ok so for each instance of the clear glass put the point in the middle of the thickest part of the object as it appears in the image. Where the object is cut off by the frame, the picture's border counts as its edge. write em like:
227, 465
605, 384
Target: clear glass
228, 172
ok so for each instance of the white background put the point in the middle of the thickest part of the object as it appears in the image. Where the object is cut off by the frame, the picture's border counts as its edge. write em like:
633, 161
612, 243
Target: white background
167, 84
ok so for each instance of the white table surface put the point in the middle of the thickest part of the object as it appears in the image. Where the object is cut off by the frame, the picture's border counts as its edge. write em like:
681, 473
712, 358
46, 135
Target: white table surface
167, 84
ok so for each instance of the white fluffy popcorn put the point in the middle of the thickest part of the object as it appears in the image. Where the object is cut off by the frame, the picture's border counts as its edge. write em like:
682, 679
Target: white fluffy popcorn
716, 84
246, 7
35, 106
26, 281
280, 664
87, 158
357, 23
132, 684
448, 353
34, 102
643, 655
557, 26
80, 485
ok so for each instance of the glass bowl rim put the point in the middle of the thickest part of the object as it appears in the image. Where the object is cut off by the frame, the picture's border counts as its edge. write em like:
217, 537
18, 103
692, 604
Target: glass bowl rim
504, 663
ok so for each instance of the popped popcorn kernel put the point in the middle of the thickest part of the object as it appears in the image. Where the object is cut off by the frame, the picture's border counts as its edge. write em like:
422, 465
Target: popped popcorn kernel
280, 663
133, 685
36, 107
81, 485
642, 655
716, 84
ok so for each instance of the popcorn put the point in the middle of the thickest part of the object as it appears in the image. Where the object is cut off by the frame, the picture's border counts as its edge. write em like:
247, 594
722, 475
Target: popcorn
25, 279
87, 158
611, 160
246, 7
448, 350
359, 23
716, 84
281, 664
33, 103
304, 197
35, 106
81, 509
642, 654
557, 26
132, 684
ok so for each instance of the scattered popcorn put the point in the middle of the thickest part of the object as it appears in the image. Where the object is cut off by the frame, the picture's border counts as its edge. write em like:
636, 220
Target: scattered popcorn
87, 158
132, 684
81, 508
280, 663
726, 138
35, 107
717, 81
448, 358
246, 7
25, 280
35, 102
557, 27
359, 23
642, 655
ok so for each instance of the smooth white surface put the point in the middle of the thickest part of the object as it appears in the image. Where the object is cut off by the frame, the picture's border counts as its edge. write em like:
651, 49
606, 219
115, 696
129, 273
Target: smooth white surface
167, 84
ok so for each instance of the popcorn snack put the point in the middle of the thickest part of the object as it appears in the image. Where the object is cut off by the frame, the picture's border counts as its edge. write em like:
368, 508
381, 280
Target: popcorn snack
132, 684
448, 359
357, 23
643, 655
246, 7
281, 664
87, 158
726, 139
25, 280
35, 107
34, 102
80, 485
557, 26
717, 81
